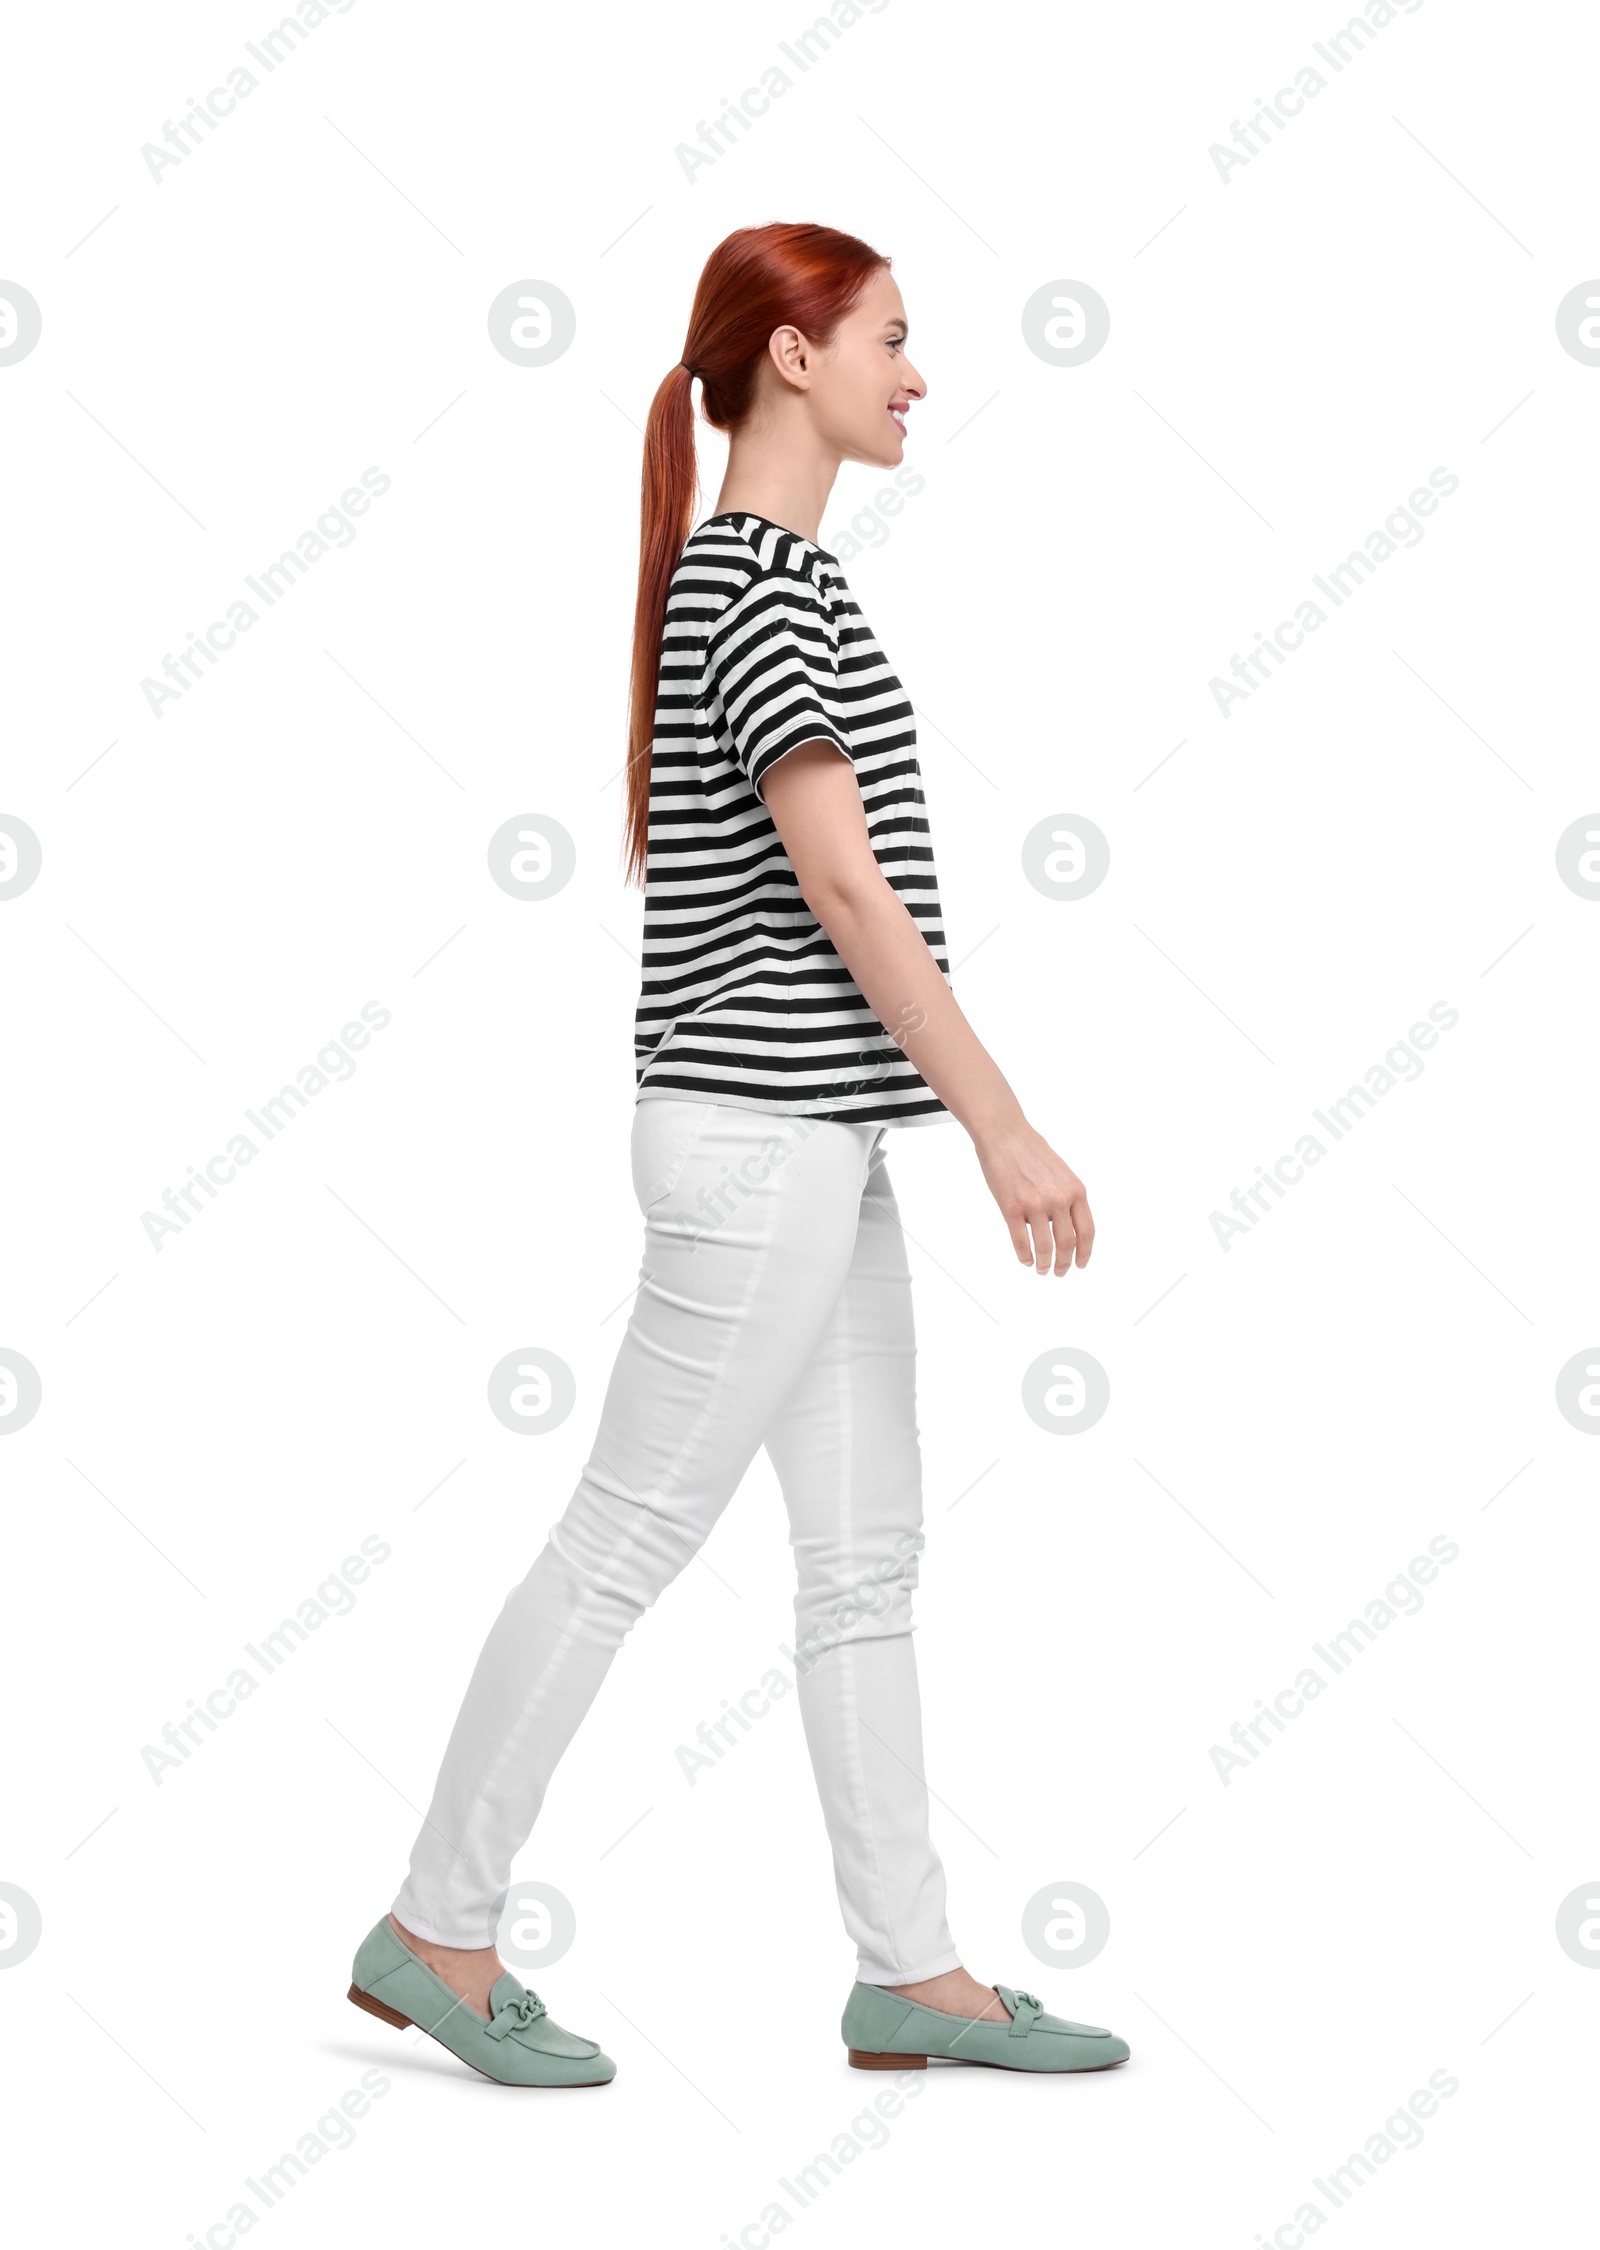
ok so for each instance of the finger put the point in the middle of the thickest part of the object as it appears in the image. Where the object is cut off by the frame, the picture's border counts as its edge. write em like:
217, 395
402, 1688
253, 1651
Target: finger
1066, 1242
1043, 1246
1019, 1240
1083, 1228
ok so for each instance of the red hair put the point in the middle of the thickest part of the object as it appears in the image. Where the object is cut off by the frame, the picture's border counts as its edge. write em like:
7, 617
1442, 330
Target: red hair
758, 279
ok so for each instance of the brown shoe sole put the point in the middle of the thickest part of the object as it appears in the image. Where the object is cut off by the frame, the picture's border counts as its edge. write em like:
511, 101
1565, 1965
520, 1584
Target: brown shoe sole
861, 2061
387, 2014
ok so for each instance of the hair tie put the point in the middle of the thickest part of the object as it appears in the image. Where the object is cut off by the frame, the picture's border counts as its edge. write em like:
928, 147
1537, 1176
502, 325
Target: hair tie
687, 369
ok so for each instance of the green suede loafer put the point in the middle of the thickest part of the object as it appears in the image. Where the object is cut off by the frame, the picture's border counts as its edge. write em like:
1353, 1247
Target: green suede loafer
517, 2046
885, 2032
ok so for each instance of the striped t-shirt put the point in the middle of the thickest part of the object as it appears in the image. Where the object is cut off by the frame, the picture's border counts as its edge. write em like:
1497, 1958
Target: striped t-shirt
744, 999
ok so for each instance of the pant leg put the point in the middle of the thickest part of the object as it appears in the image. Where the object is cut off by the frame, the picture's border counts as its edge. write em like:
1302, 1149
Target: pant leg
750, 1222
846, 1451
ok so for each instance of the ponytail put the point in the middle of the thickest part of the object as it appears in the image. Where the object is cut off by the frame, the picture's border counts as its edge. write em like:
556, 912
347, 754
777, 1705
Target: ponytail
757, 280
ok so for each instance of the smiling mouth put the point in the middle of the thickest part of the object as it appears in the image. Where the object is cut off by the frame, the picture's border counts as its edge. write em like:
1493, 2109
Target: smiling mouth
897, 415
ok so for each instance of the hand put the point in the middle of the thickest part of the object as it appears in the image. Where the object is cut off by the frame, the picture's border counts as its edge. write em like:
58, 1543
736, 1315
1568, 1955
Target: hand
1036, 1190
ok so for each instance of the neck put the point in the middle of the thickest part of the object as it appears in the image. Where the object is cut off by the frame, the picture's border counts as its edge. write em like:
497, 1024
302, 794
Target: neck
774, 476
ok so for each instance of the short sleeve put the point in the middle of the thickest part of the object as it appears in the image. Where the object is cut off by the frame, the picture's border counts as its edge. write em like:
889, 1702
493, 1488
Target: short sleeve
772, 672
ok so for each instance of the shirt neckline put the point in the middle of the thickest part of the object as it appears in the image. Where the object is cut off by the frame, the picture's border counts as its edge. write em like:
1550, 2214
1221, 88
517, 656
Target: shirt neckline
749, 515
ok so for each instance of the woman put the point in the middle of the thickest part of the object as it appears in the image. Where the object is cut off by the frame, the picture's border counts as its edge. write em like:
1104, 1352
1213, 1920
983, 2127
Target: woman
795, 1005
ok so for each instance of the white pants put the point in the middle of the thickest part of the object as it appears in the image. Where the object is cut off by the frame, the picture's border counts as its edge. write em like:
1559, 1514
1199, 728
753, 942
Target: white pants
774, 1309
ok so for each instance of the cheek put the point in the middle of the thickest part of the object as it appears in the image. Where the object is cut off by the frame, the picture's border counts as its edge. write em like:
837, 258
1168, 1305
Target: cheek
856, 411
868, 394
861, 405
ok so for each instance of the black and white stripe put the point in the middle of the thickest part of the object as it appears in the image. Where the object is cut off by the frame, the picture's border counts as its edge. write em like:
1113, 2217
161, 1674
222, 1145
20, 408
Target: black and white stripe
744, 999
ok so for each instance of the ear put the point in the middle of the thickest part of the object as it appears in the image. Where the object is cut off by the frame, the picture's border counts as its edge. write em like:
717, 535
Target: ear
792, 356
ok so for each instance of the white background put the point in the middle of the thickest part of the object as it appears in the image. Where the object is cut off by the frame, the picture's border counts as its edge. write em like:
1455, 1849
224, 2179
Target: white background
1292, 1419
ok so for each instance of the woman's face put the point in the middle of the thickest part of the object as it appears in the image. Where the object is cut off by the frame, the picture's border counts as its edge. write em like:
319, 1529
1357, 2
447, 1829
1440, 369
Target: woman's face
862, 384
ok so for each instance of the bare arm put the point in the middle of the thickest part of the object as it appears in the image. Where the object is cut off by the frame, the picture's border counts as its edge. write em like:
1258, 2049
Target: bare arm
816, 808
